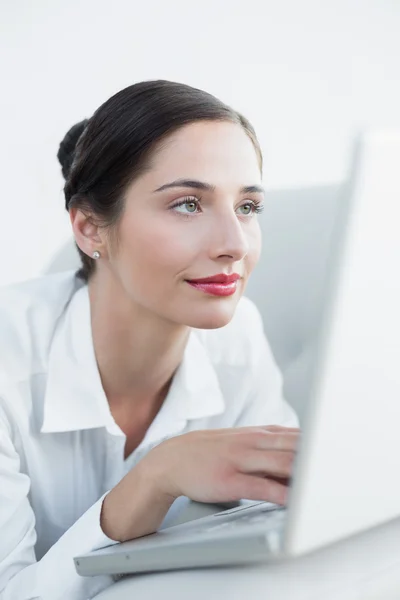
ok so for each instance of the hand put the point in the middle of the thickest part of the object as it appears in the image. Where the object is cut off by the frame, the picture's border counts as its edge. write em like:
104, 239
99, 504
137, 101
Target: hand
226, 464
220, 465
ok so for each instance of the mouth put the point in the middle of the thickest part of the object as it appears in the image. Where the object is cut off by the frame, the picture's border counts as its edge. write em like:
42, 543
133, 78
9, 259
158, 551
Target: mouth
217, 285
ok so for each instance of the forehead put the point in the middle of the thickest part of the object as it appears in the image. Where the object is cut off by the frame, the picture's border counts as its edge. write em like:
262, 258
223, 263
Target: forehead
220, 152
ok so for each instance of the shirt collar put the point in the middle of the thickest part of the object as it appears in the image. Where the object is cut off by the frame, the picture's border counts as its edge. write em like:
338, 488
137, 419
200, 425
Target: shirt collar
74, 396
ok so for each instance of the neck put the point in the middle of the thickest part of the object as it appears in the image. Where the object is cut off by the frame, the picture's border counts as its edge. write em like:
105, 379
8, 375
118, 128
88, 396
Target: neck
137, 352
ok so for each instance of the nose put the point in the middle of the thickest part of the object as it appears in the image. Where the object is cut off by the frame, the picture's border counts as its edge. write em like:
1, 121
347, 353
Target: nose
228, 239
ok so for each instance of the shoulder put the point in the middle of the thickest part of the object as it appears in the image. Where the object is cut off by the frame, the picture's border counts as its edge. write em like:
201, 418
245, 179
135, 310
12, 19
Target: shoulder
29, 312
237, 343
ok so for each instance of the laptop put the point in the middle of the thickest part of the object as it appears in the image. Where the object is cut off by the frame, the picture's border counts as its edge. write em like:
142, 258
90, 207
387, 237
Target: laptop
347, 472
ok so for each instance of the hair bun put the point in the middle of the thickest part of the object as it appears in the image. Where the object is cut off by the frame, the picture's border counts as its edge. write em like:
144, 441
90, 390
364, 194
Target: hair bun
67, 147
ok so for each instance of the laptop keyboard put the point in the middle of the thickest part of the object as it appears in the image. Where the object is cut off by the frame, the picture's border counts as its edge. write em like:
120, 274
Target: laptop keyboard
265, 518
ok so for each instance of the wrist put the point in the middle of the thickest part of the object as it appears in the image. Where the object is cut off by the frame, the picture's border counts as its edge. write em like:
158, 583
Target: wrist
161, 469
135, 507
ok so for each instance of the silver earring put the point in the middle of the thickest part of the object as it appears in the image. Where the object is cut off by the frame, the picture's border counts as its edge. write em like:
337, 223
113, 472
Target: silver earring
96, 255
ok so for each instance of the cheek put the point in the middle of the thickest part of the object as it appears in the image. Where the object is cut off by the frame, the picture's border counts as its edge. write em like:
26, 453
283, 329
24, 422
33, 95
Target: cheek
160, 245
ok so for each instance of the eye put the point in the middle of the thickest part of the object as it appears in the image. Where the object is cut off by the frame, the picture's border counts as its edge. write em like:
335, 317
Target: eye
186, 206
250, 208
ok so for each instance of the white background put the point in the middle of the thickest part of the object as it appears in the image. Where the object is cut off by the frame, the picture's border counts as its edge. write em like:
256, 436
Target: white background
308, 74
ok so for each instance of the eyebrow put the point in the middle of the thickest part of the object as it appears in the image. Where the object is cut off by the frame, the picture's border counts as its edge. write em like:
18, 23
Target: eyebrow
201, 185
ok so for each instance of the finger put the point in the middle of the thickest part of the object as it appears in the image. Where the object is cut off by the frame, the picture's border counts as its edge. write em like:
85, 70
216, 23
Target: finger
252, 428
274, 440
281, 428
287, 481
272, 463
260, 488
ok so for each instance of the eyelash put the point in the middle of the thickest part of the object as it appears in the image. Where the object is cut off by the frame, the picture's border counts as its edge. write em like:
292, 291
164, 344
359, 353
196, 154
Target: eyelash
258, 207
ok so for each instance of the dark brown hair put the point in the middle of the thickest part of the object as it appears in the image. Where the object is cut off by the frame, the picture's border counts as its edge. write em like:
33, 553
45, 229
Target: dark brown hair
101, 156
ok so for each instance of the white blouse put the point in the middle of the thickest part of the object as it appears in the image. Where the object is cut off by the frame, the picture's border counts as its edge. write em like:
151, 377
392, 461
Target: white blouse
60, 448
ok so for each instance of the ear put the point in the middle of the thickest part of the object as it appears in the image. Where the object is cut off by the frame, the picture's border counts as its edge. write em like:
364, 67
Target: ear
88, 236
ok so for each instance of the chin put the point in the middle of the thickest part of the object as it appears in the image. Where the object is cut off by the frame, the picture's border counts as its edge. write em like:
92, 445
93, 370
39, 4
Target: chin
213, 317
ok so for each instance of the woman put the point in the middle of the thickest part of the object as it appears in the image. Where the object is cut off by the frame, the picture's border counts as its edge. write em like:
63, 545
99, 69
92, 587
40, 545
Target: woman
146, 376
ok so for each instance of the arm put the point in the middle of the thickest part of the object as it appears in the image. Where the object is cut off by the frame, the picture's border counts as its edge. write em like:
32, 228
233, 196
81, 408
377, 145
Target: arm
54, 576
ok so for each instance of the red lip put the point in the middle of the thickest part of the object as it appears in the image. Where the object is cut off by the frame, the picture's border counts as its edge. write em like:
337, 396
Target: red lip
221, 278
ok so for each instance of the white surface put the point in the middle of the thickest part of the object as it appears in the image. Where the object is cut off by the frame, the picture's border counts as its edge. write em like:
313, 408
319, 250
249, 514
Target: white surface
355, 410
366, 567
308, 74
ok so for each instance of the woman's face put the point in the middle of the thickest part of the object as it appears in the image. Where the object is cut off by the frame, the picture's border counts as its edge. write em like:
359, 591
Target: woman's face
190, 217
